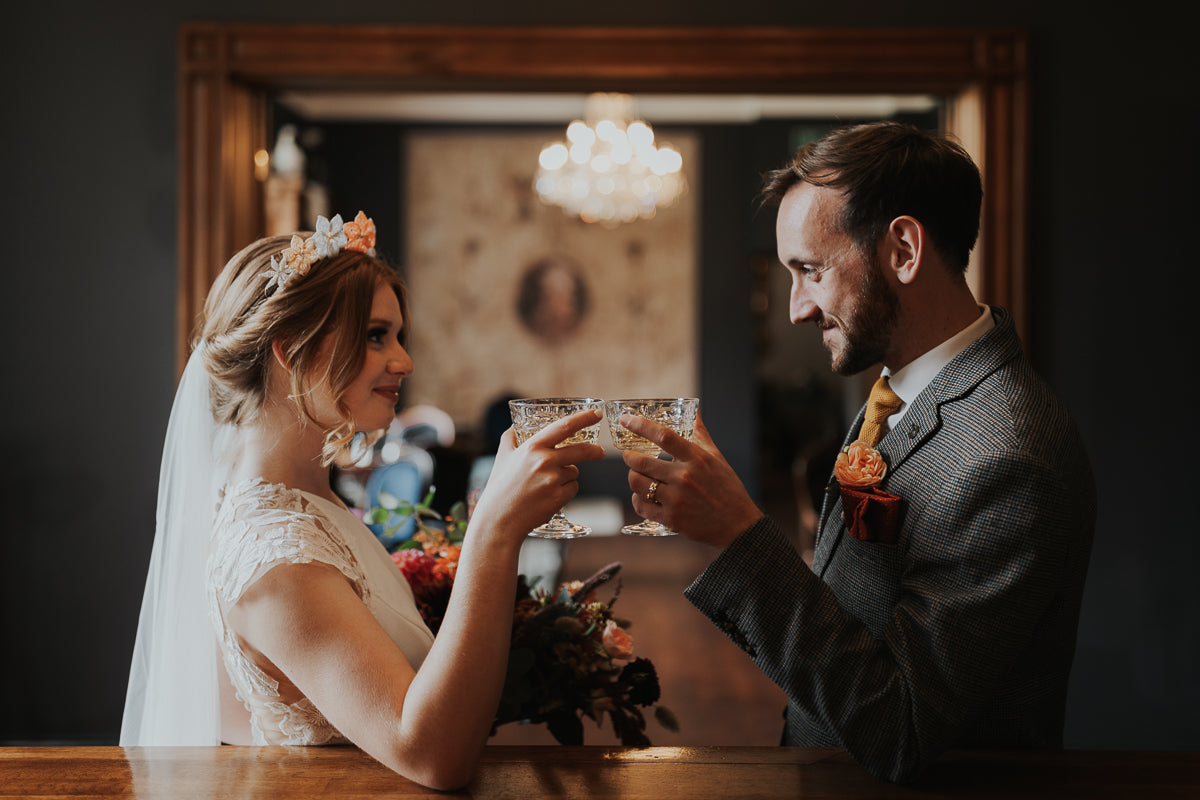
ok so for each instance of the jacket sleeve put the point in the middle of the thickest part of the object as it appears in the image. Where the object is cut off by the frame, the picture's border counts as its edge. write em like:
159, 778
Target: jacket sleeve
974, 582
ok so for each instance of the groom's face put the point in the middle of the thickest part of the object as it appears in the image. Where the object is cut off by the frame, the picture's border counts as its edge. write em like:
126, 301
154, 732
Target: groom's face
834, 285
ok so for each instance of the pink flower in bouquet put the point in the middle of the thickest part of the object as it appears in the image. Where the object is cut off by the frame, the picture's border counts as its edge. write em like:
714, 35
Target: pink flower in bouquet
416, 566
617, 642
431, 582
859, 466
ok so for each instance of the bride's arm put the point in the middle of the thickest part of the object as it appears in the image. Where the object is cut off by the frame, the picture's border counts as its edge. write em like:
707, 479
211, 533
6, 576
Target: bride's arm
429, 725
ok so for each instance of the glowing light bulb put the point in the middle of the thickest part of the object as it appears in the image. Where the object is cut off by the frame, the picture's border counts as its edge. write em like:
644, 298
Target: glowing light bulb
640, 134
669, 159
554, 157
608, 170
579, 133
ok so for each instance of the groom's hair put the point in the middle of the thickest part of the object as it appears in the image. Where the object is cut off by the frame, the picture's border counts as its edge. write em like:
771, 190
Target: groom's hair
886, 170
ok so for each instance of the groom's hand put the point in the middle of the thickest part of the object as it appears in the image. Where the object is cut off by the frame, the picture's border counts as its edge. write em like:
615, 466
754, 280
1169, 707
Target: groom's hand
698, 494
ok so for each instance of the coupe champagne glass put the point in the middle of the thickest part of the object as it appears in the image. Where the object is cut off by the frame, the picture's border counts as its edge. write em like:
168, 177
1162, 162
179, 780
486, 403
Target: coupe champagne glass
676, 413
530, 415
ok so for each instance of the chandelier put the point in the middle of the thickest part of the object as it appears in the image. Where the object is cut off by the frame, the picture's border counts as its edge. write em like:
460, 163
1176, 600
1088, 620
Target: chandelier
609, 170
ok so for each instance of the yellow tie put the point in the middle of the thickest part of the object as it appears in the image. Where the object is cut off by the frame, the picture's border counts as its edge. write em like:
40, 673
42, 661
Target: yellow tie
882, 403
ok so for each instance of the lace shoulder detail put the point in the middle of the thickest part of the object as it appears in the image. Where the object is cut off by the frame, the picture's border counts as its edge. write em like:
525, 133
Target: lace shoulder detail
261, 525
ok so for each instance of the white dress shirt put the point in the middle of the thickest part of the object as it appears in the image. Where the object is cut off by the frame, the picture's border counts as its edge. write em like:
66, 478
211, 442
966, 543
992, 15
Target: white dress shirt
912, 379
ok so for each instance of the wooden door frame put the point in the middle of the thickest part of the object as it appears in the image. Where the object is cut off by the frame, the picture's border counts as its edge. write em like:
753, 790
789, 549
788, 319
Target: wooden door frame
227, 73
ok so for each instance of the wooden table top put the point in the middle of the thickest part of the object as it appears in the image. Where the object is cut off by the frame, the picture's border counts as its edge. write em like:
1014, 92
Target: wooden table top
579, 773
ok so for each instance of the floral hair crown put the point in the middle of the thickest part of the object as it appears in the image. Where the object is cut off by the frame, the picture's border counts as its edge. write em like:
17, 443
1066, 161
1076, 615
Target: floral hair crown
331, 237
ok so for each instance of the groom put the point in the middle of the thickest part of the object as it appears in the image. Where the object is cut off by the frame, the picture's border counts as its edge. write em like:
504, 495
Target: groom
941, 608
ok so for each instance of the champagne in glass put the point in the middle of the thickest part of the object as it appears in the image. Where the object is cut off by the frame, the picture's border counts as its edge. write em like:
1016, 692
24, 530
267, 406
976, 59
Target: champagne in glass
676, 413
529, 416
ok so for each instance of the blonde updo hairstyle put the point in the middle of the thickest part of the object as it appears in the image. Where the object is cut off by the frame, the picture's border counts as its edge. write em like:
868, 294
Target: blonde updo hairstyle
242, 318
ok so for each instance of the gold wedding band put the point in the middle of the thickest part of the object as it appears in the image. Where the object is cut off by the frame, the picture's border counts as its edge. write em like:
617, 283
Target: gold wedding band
652, 492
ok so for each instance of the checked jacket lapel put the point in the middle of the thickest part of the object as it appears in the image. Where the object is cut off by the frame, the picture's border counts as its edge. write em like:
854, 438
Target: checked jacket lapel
919, 423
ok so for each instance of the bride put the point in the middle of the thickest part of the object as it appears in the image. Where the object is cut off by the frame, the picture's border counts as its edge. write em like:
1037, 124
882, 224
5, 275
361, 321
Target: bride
271, 613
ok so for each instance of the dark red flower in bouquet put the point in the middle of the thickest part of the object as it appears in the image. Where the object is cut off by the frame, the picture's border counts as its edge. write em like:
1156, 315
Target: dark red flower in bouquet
568, 654
416, 566
431, 583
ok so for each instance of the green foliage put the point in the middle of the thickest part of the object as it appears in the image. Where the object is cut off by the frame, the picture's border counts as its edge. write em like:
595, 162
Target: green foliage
393, 513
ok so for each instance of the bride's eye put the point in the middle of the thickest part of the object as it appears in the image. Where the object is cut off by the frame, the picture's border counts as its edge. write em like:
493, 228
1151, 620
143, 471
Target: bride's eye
376, 335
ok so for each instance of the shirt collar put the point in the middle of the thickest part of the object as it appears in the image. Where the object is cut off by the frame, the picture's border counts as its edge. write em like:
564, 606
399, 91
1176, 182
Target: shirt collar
912, 379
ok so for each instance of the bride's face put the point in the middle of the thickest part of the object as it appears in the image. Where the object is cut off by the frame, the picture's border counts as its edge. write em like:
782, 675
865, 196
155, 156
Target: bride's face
371, 398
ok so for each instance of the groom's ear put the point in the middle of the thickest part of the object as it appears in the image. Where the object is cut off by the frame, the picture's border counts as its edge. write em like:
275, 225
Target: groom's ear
906, 242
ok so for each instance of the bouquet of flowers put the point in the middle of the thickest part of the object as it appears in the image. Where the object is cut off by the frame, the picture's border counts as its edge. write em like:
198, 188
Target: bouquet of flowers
429, 559
570, 656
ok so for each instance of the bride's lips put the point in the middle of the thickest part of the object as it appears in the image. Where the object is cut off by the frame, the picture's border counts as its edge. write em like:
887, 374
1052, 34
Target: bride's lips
391, 393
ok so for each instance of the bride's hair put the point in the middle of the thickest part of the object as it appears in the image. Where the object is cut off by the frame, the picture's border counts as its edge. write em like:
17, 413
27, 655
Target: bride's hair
244, 315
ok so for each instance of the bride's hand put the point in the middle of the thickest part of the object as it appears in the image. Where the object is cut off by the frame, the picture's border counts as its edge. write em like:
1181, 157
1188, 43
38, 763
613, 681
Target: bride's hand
531, 482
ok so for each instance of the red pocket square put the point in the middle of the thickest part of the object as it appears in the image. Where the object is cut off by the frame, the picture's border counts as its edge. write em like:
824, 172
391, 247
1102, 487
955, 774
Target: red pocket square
871, 515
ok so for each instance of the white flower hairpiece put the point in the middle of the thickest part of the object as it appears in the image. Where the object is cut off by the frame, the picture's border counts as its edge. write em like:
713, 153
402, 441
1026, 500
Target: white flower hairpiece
331, 237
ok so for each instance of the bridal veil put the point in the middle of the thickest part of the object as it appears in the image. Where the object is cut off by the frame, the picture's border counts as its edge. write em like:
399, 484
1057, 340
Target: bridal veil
173, 696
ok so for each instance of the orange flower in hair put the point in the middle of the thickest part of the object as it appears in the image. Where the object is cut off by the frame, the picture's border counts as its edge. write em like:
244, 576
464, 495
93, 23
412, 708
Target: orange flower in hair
360, 234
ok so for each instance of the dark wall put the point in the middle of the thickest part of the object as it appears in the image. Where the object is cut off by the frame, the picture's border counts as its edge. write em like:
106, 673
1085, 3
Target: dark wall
87, 155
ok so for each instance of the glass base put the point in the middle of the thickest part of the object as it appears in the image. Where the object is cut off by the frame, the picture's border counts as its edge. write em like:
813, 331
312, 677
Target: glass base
559, 527
648, 528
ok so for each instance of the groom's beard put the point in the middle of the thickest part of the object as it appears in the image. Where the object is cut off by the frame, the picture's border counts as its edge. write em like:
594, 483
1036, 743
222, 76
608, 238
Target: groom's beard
867, 329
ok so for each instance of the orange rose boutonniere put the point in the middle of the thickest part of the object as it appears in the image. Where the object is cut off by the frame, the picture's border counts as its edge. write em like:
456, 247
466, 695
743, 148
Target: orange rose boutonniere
860, 466
871, 515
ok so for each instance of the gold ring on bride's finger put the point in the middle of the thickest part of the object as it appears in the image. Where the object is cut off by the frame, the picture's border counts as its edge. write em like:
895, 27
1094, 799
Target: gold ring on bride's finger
652, 493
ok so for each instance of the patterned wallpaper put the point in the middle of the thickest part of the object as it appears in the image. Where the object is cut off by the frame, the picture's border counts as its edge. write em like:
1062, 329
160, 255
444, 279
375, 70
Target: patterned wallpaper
511, 296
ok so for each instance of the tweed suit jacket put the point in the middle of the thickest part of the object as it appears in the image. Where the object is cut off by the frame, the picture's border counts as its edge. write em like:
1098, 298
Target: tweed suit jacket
962, 632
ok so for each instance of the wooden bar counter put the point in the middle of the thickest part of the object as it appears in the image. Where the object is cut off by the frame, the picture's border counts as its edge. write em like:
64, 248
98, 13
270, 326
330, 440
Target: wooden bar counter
579, 773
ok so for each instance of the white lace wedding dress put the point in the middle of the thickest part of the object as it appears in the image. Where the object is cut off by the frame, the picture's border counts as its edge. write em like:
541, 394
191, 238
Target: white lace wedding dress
261, 525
